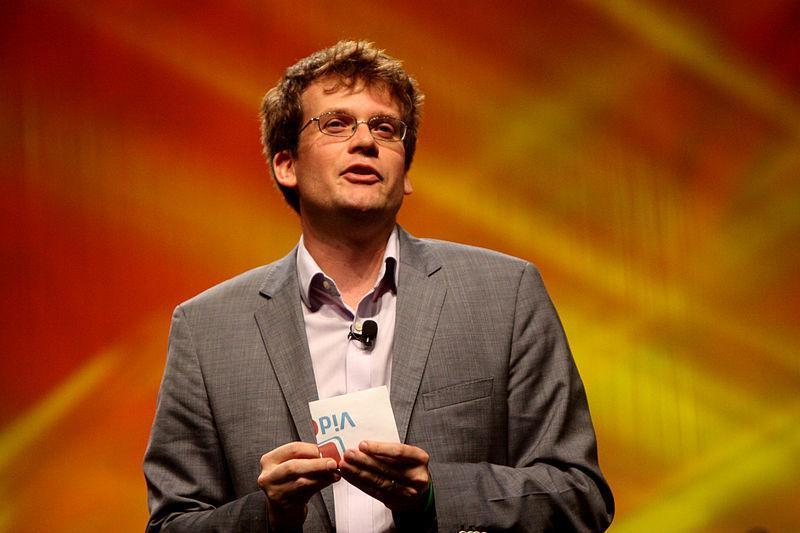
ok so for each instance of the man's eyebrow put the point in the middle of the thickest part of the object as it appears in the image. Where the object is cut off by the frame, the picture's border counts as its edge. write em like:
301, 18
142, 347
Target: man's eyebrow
352, 114
332, 110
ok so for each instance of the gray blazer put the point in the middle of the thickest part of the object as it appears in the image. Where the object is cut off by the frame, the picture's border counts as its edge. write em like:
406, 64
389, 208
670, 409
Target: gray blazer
482, 379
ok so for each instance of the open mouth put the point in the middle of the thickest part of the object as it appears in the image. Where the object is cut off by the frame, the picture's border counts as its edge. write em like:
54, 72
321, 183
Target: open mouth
361, 174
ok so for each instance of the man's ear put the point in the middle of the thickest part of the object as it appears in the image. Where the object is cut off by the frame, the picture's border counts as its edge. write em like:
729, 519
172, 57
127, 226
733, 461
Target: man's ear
407, 188
283, 163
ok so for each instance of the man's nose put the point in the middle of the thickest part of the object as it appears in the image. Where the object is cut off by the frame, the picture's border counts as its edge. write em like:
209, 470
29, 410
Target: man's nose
362, 137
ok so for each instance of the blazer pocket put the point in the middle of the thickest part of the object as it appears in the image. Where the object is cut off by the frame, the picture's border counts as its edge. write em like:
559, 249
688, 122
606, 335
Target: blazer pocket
460, 393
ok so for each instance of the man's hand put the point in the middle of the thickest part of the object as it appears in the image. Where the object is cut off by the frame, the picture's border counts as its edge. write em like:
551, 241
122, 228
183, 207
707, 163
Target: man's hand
290, 475
394, 473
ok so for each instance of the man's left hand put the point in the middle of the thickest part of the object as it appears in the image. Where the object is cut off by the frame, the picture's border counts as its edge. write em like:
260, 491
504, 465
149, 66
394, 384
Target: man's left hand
394, 473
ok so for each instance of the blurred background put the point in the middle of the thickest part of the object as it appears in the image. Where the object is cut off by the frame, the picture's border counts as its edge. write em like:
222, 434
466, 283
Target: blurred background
644, 153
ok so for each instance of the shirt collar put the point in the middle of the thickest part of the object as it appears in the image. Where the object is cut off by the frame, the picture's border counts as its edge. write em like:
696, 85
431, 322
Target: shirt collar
310, 275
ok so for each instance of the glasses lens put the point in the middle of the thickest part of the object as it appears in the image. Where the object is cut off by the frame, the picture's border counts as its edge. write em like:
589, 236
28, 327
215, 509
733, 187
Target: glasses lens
336, 124
387, 128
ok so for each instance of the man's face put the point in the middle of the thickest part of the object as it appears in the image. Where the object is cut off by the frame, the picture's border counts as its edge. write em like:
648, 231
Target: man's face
344, 176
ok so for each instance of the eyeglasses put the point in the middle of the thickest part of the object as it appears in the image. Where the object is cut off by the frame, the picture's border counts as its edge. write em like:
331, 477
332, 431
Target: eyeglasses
337, 124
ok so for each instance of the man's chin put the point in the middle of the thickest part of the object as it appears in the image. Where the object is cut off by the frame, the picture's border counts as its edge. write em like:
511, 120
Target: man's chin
370, 210
354, 209
370, 203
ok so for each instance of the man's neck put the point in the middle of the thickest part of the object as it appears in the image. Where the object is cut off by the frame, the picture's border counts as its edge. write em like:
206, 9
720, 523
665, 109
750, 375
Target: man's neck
352, 258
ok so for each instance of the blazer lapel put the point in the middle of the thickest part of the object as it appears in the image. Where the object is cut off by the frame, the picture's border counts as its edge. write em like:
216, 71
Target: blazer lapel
280, 321
420, 294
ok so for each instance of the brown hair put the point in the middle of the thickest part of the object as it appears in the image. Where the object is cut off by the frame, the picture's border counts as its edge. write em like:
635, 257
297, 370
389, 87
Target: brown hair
353, 62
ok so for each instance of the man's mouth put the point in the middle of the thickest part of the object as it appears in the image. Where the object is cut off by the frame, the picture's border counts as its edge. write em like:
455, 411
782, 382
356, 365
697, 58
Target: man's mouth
360, 173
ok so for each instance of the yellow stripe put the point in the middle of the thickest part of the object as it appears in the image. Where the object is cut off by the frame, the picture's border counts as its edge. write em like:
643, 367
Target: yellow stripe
742, 470
207, 215
656, 296
686, 43
30, 426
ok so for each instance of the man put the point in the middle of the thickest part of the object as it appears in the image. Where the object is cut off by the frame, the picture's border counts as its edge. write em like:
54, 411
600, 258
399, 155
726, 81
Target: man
494, 428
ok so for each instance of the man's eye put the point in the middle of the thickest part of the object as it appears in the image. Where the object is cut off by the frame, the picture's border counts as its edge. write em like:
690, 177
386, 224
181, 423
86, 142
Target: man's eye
335, 124
383, 128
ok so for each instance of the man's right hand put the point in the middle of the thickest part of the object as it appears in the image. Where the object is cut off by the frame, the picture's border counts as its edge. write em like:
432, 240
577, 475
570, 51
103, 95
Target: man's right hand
290, 475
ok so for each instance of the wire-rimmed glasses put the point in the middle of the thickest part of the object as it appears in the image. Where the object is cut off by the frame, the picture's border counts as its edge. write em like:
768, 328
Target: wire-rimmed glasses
338, 124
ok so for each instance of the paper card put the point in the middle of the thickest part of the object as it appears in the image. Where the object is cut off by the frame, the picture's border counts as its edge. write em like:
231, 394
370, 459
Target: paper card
341, 422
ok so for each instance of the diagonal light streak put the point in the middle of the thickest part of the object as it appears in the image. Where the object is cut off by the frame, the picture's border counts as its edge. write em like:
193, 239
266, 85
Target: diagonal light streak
18, 435
719, 448
241, 81
672, 35
32, 425
773, 221
651, 398
657, 298
752, 462
209, 63
86, 424
682, 41
205, 214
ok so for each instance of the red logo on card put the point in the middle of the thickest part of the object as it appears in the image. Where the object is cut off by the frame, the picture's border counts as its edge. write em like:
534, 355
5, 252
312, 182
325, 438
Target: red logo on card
333, 448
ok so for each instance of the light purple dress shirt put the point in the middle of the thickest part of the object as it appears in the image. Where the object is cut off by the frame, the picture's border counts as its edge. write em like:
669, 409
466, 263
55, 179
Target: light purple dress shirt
343, 365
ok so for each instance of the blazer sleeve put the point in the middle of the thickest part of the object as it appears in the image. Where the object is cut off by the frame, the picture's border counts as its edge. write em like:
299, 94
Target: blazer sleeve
552, 481
188, 484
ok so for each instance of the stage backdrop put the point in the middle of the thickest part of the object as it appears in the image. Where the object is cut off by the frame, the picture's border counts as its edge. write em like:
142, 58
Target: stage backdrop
645, 154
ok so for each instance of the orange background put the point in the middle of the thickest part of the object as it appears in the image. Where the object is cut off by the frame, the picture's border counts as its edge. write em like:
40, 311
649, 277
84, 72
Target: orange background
645, 154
